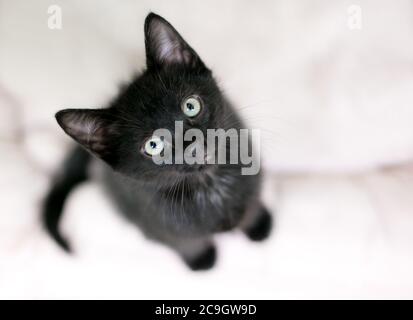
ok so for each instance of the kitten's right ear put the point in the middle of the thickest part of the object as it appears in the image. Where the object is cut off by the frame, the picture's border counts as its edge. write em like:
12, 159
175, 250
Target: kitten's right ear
93, 129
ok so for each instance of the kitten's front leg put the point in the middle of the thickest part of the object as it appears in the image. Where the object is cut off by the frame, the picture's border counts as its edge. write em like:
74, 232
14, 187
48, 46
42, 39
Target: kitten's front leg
257, 222
198, 253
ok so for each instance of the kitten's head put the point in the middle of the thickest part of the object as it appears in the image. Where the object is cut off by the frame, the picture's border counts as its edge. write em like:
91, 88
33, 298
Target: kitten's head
176, 86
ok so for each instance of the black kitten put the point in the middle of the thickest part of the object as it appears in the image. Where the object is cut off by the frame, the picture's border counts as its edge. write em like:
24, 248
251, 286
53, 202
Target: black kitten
180, 205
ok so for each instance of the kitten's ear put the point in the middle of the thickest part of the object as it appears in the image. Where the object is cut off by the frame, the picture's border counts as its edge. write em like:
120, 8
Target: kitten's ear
165, 46
93, 129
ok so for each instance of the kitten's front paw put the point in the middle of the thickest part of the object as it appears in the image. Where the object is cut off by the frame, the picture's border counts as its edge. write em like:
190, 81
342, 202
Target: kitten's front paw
203, 261
261, 228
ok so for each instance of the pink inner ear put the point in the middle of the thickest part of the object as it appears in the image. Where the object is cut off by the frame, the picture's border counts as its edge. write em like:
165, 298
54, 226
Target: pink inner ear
85, 127
169, 46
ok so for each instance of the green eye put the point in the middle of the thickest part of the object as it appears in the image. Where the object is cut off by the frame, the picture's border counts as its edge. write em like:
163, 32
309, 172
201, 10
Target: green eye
154, 146
191, 106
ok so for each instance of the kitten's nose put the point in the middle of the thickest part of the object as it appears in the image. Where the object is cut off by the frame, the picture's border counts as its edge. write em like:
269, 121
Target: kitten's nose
192, 150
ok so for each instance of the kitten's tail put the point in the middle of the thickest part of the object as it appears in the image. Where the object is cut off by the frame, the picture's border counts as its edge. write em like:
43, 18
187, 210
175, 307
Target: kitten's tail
74, 172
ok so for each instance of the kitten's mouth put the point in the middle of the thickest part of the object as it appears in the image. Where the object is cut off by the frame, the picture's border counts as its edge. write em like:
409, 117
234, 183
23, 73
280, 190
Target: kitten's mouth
198, 169
202, 167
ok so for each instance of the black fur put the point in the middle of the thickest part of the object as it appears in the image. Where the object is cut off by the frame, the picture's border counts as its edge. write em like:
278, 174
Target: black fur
181, 206
74, 172
205, 260
261, 227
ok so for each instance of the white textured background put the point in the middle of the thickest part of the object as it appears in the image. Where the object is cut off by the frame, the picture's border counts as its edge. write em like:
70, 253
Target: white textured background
335, 107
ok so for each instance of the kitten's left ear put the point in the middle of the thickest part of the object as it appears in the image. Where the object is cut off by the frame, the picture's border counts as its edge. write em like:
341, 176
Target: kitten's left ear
165, 46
